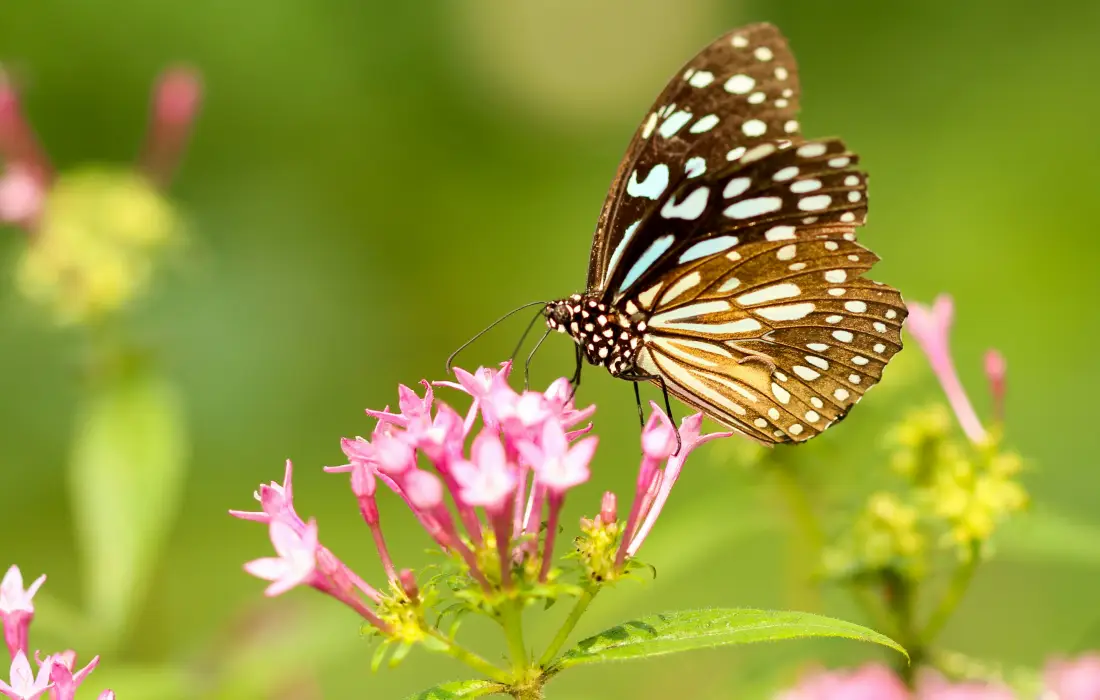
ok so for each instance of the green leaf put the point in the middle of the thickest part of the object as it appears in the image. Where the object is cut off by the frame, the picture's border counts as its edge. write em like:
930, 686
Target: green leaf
459, 689
1049, 537
126, 472
668, 633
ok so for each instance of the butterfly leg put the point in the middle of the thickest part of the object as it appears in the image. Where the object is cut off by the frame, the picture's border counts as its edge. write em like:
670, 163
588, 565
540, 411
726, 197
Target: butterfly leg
575, 380
637, 378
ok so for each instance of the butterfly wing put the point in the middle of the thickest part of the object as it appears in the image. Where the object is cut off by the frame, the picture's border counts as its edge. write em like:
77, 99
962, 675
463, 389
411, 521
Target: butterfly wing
739, 91
755, 307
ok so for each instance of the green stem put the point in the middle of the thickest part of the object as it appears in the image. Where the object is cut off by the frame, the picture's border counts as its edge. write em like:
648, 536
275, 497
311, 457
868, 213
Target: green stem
899, 597
449, 647
511, 619
567, 627
956, 589
872, 607
807, 553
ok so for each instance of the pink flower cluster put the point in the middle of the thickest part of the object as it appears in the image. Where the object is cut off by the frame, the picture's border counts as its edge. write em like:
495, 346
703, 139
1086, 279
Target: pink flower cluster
529, 451
1063, 680
55, 672
931, 327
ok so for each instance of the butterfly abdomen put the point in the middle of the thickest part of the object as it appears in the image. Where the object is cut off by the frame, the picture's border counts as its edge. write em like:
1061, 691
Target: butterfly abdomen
607, 338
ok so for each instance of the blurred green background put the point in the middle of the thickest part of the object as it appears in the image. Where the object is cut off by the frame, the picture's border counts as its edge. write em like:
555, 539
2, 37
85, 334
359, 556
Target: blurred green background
370, 183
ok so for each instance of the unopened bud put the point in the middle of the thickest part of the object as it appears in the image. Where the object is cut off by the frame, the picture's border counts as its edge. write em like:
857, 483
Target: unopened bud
408, 584
609, 508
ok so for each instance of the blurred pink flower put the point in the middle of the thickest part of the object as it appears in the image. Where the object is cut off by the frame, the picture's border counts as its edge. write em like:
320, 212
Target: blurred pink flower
24, 684
177, 95
1074, 679
17, 608
106, 695
931, 327
869, 682
28, 174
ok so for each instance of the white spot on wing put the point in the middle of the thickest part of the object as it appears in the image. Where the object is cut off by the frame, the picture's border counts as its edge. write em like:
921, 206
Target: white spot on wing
766, 295
781, 394
695, 166
691, 311
653, 186
708, 247
701, 79
786, 173
748, 208
857, 307
674, 123
737, 186
682, 285
704, 124
780, 233
650, 125
843, 336
806, 373
812, 150
804, 186
836, 276
690, 209
790, 312
814, 203
754, 127
740, 84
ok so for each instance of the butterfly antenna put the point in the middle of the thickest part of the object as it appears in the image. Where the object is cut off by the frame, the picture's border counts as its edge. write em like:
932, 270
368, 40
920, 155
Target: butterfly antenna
523, 337
491, 326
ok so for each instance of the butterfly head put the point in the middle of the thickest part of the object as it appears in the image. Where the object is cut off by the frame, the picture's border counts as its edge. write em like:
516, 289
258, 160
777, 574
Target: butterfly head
607, 338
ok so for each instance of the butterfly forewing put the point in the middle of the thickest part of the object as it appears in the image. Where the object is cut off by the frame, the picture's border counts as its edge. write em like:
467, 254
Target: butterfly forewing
726, 254
739, 91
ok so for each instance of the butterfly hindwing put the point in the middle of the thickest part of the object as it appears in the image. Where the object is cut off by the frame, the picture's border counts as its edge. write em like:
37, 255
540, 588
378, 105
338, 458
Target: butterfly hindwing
739, 91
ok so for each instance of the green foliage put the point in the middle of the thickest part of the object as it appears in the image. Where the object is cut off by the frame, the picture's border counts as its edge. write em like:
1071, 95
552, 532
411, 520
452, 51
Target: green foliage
125, 476
688, 630
457, 690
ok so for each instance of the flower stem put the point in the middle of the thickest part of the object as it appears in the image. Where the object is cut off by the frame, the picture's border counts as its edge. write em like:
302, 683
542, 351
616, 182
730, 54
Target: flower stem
956, 589
511, 619
567, 627
469, 658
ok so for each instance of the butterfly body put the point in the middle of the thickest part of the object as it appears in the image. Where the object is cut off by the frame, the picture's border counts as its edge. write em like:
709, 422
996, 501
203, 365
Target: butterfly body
725, 266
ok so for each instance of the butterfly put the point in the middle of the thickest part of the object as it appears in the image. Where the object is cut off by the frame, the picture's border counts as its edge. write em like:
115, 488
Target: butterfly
724, 266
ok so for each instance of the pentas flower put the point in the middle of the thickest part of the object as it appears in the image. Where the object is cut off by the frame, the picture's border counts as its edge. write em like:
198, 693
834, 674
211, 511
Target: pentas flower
931, 327
65, 682
24, 684
490, 498
17, 609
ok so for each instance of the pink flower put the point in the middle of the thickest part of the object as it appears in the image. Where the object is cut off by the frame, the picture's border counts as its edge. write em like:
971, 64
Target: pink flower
21, 195
176, 99
869, 682
558, 466
296, 562
24, 684
932, 686
66, 682
17, 608
690, 438
106, 695
277, 502
1077, 679
488, 481
931, 328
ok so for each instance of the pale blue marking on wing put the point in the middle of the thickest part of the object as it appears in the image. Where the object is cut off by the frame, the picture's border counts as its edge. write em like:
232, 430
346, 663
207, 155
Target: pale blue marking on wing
708, 247
655, 251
